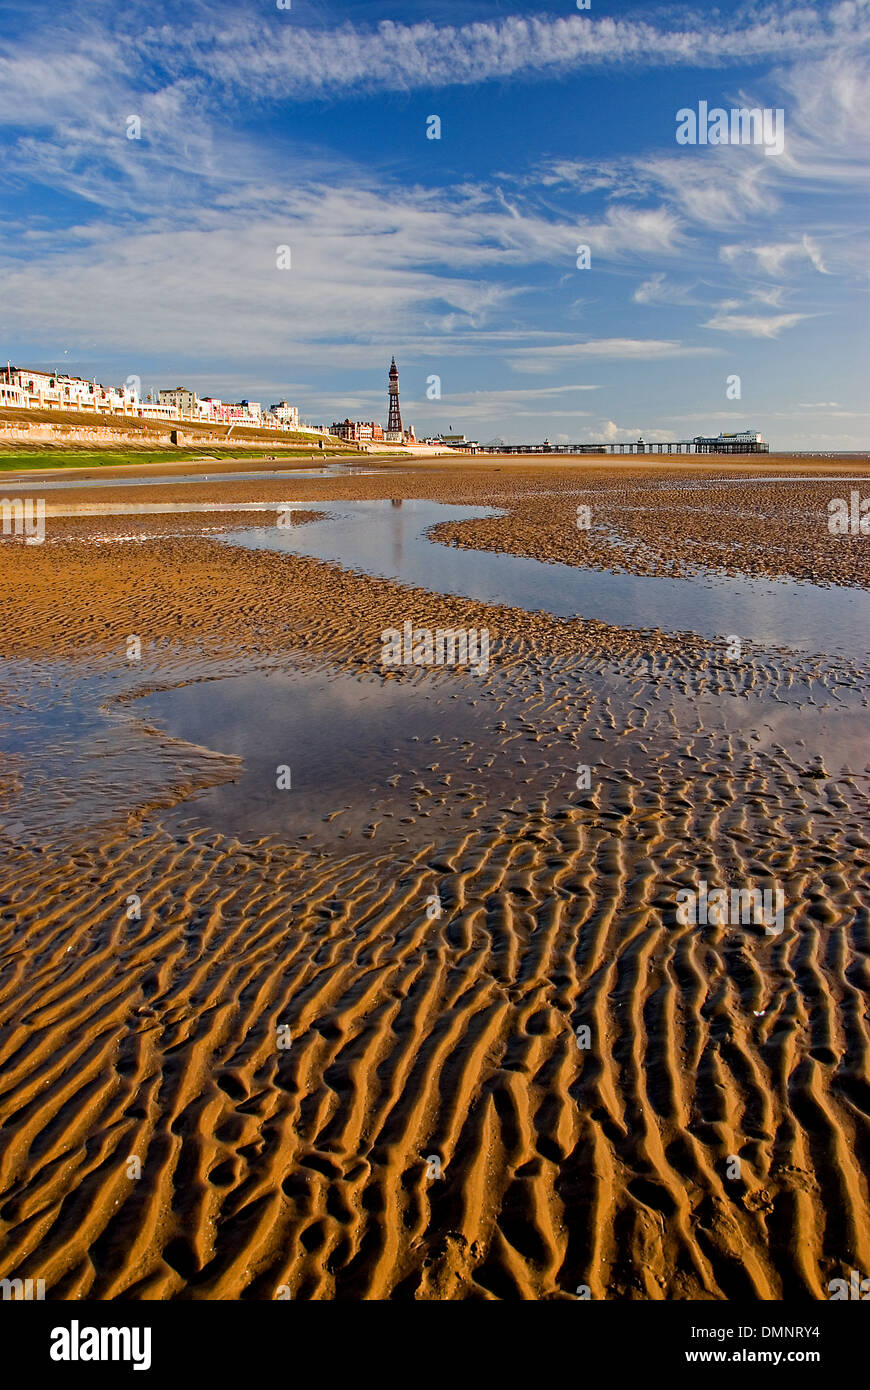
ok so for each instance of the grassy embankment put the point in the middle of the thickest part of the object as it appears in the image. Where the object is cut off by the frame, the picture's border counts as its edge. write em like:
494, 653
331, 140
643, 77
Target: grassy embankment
147, 441
55, 457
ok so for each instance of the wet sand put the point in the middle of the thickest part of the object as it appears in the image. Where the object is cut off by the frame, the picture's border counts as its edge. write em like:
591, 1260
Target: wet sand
434, 912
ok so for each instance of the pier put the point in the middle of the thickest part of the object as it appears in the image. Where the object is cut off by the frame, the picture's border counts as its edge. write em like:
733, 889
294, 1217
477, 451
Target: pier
746, 442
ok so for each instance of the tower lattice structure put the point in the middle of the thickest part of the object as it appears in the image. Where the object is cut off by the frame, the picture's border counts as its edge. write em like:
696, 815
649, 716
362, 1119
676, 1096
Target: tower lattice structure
395, 422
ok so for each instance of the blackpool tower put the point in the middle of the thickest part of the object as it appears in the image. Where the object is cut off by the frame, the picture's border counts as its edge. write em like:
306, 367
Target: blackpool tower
395, 422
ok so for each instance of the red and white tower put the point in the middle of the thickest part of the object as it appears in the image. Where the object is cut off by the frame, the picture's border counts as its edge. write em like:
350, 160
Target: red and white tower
394, 425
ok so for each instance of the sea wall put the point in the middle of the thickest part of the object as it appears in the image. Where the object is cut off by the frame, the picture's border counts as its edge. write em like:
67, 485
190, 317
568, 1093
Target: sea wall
105, 436
83, 434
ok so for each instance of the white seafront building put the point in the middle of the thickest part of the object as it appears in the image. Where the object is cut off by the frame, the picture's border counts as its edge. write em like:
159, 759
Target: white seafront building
23, 388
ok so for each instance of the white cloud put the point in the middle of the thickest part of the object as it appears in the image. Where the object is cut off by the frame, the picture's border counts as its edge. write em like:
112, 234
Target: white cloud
303, 63
356, 261
659, 290
519, 395
472, 407
826, 99
185, 278
754, 325
248, 52
542, 359
608, 432
772, 297
773, 259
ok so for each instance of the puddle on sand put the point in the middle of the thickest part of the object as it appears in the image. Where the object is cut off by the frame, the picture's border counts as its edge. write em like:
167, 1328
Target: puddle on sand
400, 753
415, 758
388, 540
402, 762
362, 752
69, 763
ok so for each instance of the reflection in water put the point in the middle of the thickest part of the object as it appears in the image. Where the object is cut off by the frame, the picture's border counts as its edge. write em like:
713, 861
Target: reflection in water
392, 761
391, 543
398, 532
354, 748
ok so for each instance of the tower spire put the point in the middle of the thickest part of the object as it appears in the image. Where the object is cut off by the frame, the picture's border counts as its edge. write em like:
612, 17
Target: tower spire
394, 425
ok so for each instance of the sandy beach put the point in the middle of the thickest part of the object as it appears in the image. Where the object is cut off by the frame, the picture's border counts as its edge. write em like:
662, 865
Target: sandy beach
425, 1024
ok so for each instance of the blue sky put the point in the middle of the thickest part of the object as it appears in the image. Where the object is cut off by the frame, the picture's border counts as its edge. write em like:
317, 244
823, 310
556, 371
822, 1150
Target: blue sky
307, 128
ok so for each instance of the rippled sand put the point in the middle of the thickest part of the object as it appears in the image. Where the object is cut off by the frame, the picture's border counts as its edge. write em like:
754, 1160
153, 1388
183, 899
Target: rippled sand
422, 1044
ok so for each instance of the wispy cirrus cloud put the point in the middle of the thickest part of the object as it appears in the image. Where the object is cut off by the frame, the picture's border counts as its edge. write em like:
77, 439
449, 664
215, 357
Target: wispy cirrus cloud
306, 63
543, 359
773, 259
659, 290
247, 52
511, 403
206, 274
754, 325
